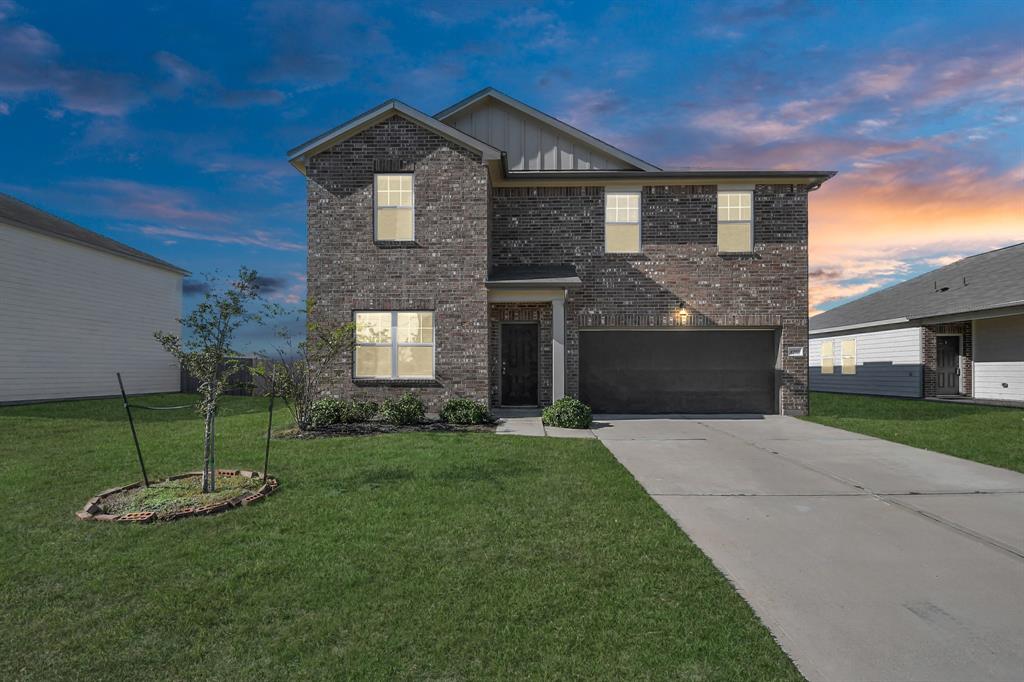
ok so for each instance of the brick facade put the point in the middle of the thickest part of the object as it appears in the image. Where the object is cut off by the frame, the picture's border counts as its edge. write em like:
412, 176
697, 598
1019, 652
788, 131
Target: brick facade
679, 267
929, 355
463, 226
521, 312
443, 270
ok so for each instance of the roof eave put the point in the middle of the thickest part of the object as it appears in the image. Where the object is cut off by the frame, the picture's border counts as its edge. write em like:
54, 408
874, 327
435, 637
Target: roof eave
535, 283
812, 178
152, 261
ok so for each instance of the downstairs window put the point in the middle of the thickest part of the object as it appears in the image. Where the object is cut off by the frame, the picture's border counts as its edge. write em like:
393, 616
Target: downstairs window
394, 345
827, 358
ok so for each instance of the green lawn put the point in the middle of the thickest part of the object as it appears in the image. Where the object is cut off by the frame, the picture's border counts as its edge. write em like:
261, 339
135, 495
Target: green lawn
992, 435
410, 556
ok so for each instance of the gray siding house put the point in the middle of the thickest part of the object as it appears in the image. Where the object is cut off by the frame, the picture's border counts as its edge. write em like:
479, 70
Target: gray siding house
494, 252
954, 331
76, 307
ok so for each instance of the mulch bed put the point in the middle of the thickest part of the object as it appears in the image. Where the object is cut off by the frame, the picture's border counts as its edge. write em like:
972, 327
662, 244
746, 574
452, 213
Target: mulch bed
97, 508
373, 428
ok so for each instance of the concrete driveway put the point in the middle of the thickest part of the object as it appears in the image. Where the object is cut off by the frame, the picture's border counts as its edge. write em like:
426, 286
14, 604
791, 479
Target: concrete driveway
867, 559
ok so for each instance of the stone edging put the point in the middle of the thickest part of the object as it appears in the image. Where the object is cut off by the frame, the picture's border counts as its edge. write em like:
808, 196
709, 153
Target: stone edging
92, 511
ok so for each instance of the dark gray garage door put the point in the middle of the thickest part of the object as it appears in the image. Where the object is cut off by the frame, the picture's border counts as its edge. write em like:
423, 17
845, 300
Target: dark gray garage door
678, 371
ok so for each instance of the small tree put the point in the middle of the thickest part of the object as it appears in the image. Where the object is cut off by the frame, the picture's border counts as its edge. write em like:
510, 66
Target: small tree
300, 364
206, 351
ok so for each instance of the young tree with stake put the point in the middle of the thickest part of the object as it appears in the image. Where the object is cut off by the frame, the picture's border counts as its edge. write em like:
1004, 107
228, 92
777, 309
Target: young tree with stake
206, 350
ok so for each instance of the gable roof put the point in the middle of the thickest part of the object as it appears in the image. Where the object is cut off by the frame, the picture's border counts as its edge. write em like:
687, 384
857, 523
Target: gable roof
448, 115
17, 213
297, 156
994, 279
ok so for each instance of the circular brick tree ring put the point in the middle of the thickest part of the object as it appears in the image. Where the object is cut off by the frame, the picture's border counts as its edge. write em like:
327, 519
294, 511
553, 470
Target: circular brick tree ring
93, 509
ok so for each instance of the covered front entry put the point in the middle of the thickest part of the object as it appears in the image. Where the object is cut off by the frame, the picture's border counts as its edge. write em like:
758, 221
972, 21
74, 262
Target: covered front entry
678, 371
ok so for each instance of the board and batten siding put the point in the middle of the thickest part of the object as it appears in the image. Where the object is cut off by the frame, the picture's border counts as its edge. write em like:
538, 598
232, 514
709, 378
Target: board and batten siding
530, 144
71, 316
888, 363
999, 358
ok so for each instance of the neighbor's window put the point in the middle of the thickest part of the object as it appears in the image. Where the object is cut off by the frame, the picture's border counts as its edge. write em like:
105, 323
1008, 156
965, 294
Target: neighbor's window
394, 207
850, 356
827, 357
622, 222
735, 222
394, 345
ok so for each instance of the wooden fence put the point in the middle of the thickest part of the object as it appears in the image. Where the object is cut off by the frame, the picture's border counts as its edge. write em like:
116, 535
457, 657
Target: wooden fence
245, 381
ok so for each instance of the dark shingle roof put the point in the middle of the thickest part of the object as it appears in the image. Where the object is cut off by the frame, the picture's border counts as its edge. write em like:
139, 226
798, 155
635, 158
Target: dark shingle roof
19, 214
988, 280
534, 276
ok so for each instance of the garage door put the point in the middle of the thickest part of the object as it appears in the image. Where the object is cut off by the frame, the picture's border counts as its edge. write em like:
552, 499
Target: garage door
678, 371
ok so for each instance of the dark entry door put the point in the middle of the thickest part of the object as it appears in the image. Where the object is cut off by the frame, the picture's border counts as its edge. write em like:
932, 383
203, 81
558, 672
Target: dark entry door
652, 371
947, 370
519, 347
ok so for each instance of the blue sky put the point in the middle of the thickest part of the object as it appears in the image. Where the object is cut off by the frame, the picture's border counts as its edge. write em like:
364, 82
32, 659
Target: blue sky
165, 124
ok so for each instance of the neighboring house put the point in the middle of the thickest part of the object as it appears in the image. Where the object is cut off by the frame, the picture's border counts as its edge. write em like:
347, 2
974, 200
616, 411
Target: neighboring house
76, 307
955, 331
497, 253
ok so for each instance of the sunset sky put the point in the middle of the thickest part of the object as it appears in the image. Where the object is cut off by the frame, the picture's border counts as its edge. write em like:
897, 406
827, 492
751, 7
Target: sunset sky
165, 124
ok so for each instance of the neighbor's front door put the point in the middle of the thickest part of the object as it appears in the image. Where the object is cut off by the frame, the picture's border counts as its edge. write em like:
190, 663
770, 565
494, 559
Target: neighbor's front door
519, 360
947, 355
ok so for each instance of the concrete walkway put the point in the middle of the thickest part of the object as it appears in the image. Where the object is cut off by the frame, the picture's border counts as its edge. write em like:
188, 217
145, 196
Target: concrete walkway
526, 422
868, 560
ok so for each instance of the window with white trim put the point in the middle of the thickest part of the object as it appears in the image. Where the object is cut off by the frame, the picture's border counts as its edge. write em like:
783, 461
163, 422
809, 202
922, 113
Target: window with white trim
735, 221
394, 345
393, 207
849, 358
622, 222
828, 360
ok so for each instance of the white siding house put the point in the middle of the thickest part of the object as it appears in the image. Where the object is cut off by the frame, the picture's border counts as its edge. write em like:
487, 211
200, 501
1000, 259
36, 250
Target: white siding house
885, 362
953, 333
999, 358
76, 308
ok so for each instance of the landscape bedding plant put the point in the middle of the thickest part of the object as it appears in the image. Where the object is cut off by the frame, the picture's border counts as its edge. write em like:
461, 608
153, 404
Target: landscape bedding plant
464, 411
324, 412
463, 556
568, 413
355, 411
170, 497
405, 411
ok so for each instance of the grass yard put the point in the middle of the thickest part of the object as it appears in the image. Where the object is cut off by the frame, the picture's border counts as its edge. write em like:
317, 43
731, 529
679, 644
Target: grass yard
991, 435
411, 556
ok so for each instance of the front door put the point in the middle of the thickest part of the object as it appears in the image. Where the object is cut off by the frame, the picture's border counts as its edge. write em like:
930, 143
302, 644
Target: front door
519, 360
947, 354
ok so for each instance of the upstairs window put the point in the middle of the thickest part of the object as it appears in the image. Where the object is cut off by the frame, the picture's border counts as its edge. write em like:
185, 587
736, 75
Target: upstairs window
827, 357
735, 221
394, 345
622, 222
393, 207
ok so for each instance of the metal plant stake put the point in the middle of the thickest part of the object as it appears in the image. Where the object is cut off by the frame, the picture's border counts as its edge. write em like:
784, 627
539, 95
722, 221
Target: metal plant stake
131, 423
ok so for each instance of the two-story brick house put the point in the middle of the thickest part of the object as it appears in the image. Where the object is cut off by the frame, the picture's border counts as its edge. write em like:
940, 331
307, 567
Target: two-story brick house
496, 253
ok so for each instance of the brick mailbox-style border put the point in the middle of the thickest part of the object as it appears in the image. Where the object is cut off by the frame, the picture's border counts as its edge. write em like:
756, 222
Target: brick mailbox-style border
93, 509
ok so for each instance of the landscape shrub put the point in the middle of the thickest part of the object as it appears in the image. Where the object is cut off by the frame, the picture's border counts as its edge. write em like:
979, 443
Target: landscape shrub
464, 411
568, 413
356, 411
406, 410
324, 412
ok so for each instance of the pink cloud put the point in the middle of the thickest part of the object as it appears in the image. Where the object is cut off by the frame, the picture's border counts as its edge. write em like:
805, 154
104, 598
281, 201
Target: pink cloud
881, 81
260, 238
132, 200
